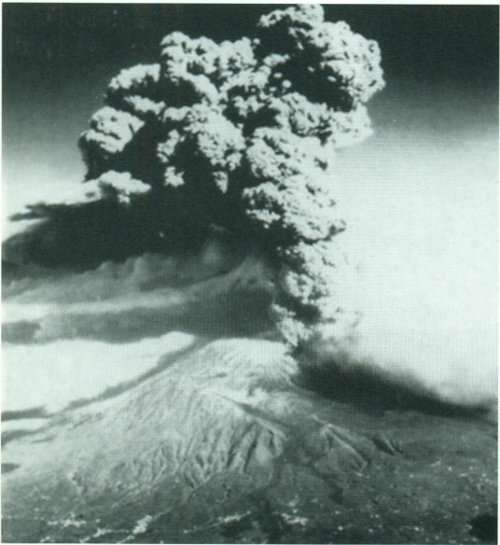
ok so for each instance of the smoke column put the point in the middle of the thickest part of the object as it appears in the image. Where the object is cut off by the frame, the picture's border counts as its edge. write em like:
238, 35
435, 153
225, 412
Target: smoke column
418, 197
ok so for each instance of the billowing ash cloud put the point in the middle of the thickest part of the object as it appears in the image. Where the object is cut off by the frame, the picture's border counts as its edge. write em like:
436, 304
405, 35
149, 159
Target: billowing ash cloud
241, 135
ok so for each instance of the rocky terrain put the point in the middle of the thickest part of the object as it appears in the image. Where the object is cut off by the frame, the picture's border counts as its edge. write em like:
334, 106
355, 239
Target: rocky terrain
220, 436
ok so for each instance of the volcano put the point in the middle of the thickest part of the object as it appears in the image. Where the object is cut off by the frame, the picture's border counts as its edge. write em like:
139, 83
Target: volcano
229, 332
217, 434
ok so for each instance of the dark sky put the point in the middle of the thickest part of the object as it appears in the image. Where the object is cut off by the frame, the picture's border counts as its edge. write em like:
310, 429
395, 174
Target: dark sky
455, 43
440, 63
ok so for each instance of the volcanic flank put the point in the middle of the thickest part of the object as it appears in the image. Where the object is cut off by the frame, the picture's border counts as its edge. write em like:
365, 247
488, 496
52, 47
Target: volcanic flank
187, 354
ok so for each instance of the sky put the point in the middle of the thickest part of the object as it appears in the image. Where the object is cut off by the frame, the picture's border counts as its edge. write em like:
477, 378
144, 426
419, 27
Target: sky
420, 195
440, 63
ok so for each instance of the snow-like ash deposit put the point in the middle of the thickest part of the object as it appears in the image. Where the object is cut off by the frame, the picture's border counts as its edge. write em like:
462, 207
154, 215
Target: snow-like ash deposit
217, 165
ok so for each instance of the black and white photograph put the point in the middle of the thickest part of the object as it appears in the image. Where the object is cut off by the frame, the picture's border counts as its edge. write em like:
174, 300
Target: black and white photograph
249, 273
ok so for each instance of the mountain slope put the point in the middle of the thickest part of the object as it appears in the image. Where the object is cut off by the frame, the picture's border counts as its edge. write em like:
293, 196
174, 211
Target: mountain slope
226, 445
149, 401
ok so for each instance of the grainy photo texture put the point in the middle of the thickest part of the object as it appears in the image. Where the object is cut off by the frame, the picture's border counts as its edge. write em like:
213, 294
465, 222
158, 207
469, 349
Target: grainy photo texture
249, 273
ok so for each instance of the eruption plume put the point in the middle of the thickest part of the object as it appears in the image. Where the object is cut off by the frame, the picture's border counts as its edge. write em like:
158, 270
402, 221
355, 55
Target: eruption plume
237, 141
